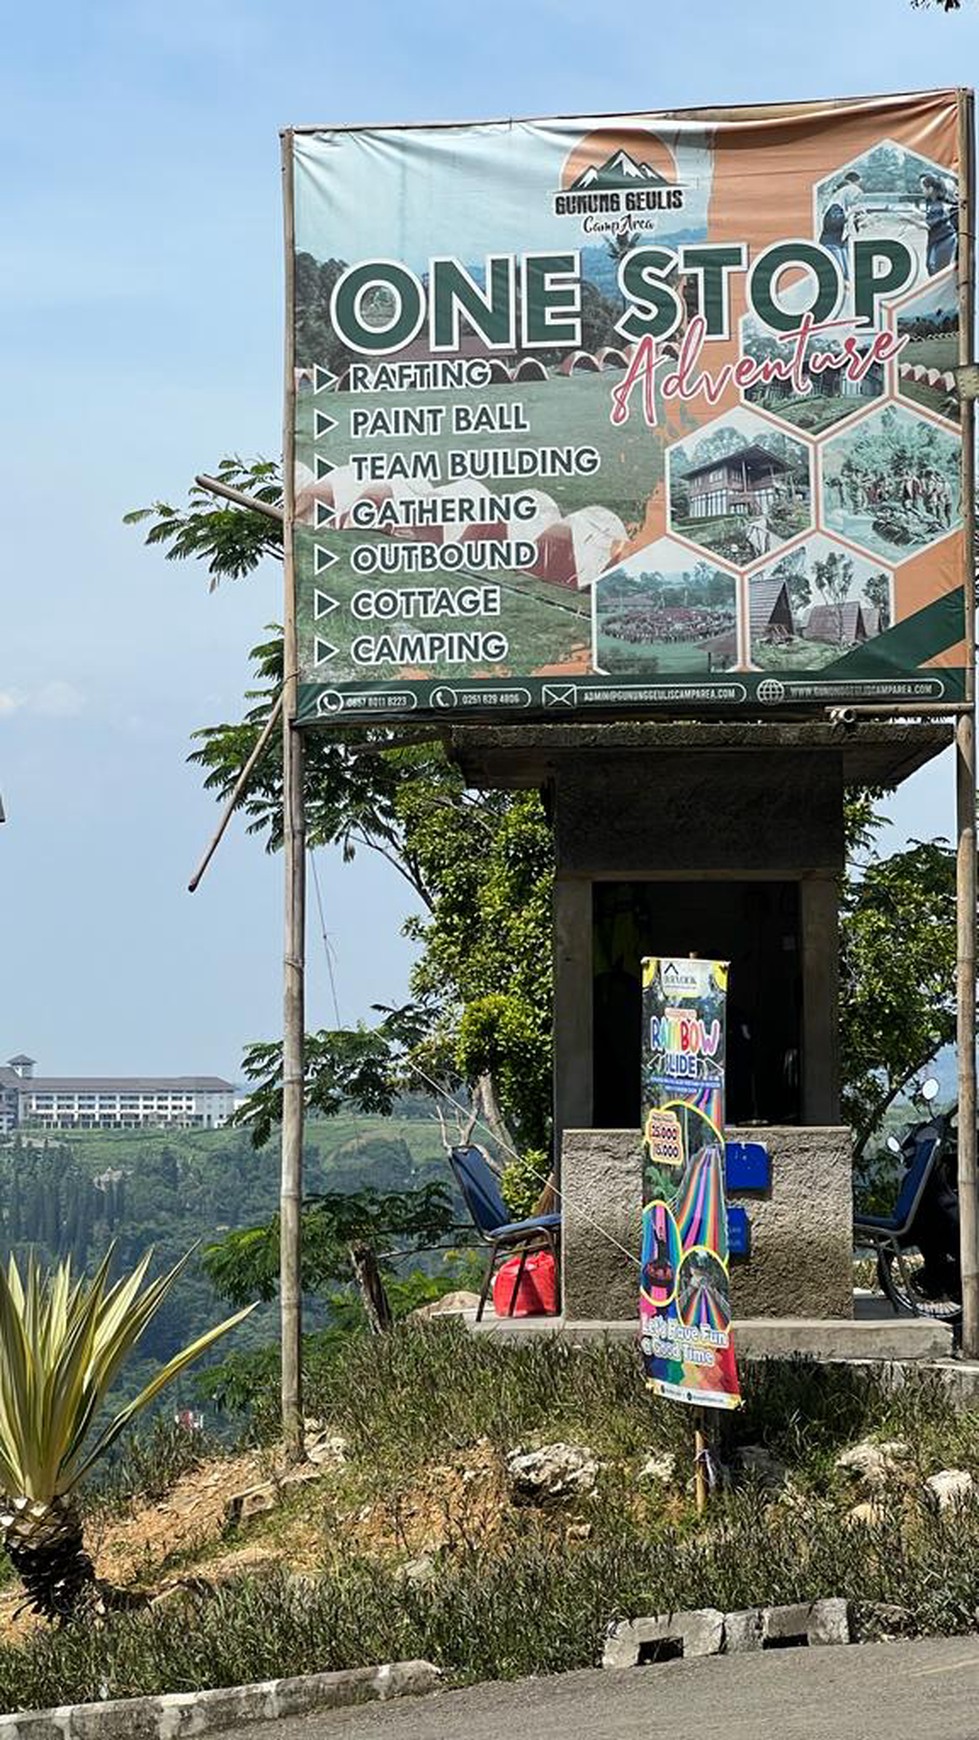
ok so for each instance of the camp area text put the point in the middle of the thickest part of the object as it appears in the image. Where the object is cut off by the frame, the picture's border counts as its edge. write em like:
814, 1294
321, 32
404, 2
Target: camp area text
533, 300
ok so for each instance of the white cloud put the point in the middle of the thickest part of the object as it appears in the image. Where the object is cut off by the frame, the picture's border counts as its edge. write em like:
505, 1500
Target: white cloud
8, 702
57, 700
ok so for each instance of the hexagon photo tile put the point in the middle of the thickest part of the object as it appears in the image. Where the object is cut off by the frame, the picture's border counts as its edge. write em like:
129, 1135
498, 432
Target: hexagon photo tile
929, 322
892, 483
813, 397
891, 191
814, 604
665, 610
739, 487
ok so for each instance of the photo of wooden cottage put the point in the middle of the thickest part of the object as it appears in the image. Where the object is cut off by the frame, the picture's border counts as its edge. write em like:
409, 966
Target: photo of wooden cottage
748, 481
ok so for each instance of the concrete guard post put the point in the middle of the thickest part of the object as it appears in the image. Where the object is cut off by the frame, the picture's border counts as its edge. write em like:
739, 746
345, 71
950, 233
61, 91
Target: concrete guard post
801, 1262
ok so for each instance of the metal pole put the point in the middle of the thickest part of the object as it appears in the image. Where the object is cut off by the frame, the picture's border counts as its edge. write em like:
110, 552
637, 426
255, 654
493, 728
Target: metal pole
294, 940
965, 777
240, 496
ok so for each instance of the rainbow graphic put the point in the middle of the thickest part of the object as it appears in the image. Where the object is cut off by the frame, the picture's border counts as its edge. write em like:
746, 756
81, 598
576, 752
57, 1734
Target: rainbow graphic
684, 1303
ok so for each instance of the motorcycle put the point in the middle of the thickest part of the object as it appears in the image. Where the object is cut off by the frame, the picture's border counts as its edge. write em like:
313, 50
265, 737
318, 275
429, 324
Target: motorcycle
917, 1245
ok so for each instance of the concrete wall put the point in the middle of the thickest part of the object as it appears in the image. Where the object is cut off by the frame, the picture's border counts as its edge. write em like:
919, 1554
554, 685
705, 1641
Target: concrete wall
801, 1262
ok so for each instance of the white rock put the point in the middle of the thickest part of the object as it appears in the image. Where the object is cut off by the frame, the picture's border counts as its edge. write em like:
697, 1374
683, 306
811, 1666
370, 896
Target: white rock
874, 1464
953, 1486
327, 1448
555, 1472
450, 1305
661, 1468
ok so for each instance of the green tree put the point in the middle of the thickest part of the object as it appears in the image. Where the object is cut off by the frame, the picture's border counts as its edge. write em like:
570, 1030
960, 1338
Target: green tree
898, 998
832, 577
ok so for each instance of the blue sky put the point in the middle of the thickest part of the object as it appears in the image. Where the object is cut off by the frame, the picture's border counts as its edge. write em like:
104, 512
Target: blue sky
140, 340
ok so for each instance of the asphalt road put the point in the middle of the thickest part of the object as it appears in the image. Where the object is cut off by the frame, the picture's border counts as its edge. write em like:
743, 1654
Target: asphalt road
887, 1691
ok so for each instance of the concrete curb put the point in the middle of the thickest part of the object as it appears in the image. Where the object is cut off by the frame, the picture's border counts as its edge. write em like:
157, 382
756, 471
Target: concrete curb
176, 1714
705, 1631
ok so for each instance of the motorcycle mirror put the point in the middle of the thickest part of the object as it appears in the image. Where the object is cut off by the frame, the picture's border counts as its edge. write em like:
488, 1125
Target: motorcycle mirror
929, 1089
893, 1144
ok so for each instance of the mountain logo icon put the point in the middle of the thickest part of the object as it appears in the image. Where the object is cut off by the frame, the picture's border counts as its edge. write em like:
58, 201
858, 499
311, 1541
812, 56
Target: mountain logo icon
618, 170
628, 178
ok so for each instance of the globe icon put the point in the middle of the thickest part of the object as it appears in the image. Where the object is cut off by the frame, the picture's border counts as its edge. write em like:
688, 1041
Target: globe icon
771, 691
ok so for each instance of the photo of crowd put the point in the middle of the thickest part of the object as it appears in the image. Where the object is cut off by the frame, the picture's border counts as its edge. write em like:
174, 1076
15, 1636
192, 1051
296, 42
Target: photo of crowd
665, 610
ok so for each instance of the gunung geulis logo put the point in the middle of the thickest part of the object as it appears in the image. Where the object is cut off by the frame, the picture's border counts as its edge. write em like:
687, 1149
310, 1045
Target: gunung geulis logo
618, 184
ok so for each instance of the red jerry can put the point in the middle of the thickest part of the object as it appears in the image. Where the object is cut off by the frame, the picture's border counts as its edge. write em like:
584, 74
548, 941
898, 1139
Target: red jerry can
537, 1294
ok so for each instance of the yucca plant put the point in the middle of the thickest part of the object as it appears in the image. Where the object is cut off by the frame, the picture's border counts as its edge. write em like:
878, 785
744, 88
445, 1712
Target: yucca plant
62, 1343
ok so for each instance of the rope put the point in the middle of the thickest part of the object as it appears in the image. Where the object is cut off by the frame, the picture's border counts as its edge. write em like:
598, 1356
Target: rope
542, 1177
323, 932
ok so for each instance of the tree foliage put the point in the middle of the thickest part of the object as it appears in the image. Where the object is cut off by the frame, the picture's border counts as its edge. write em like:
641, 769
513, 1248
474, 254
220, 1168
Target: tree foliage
245, 1265
898, 995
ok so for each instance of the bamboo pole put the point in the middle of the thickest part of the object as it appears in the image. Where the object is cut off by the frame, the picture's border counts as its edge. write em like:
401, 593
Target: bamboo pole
965, 776
294, 940
240, 784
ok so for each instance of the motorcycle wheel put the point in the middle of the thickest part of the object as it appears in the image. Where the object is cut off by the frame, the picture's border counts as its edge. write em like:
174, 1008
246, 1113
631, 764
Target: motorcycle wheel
901, 1276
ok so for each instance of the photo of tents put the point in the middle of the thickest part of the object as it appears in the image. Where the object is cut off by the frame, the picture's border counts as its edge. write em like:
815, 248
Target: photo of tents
814, 604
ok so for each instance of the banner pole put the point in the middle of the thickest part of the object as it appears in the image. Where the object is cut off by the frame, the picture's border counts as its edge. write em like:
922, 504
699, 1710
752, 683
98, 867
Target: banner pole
965, 773
294, 870
700, 1460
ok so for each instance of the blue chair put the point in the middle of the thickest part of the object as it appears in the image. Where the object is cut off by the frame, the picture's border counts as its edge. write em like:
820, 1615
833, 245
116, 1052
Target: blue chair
886, 1234
889, 1230
481, 1195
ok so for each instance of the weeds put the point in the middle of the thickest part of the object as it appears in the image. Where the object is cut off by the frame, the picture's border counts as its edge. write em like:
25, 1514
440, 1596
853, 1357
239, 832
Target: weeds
522, 1591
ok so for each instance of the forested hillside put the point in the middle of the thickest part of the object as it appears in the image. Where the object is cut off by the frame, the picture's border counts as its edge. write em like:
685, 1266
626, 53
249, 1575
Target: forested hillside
174, 1189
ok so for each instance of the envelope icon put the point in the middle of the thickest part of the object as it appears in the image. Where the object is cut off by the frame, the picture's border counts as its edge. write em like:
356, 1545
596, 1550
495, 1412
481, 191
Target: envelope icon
559, 695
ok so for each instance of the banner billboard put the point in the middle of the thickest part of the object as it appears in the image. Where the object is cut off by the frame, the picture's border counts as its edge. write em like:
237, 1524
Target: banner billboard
605, 415
684, 1299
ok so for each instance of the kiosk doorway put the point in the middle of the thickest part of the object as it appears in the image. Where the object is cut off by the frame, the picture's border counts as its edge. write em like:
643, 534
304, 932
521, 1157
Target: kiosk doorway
753, 924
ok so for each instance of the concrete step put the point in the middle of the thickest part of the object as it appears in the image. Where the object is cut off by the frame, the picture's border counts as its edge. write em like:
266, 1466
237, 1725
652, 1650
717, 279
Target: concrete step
824, 1338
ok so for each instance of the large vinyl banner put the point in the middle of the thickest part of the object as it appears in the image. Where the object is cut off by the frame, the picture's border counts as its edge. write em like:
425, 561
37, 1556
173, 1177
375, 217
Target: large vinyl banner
684, 1299
610, 414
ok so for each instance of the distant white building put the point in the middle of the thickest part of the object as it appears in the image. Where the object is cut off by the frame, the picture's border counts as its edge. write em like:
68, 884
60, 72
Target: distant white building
183, 1102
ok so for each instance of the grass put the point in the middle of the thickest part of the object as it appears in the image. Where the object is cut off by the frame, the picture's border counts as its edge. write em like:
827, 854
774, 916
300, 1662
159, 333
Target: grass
544, 624
813, 412
797, 655
428, 1415
725, 534
562, 411
648, 658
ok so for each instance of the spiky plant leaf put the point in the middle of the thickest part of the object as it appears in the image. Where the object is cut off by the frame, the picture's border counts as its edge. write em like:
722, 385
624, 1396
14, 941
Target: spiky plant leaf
62, 1344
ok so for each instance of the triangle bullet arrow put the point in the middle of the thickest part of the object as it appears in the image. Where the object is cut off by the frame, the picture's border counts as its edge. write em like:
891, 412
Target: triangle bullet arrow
324, 515
322, 651
323, 604
323, 466
322, 559
322, 379
322, 424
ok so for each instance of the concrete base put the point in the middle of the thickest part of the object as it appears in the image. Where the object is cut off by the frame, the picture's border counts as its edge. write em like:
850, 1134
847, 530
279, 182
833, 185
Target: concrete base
868, 1340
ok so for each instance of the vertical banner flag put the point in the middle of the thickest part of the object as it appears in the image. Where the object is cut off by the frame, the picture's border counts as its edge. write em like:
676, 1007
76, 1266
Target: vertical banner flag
609, 414
684, 1304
